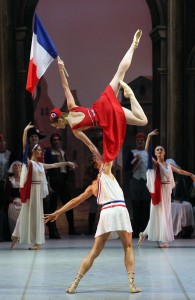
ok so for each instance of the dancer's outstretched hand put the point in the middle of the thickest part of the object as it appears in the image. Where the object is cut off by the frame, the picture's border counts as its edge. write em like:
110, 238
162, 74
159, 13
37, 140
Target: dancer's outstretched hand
30, 125
72, 164
60, 62
154, 132
50, 217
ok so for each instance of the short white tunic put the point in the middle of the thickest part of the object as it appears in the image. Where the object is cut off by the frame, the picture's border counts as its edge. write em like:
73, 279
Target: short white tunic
160, 226
30, 224
114, 216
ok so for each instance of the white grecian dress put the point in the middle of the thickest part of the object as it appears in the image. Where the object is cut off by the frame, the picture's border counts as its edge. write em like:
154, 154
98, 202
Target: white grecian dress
30, 226
114, 215
160, 226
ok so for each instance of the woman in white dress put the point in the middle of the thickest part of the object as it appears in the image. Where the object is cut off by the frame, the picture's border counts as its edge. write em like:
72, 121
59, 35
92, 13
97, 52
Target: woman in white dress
160, 183
12, 191
114, 221
30, 224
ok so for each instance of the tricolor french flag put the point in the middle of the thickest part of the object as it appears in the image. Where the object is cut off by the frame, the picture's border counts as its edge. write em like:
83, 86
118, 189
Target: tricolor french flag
43, 52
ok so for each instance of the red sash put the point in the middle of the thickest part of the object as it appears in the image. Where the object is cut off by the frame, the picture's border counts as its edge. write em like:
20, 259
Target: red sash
25, 191
156, 196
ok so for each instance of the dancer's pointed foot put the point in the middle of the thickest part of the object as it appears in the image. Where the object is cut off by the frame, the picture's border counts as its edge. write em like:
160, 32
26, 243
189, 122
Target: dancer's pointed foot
164, 245
73, 286
127, 90
141, 238
35, 247
137, 37
133, 288
14, 241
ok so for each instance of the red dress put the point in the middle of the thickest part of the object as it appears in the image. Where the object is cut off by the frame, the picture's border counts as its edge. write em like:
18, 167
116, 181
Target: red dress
110, 116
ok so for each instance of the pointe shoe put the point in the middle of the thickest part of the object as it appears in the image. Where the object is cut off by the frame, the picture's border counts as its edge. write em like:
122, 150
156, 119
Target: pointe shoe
35, 247
136, 38
127, 90
133, 288
73, 286
141, 238
14, 241
164, 245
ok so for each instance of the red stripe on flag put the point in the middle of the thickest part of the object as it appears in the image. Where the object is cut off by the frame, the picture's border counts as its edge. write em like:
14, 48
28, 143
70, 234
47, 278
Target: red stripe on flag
32, 78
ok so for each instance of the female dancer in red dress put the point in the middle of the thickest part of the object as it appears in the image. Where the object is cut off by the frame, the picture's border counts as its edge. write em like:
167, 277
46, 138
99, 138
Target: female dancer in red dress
106, 112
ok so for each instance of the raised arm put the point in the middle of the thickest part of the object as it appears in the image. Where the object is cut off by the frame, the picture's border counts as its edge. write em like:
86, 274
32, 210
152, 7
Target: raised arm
80, 135
154, 132
65, 85
72, 203
24, 138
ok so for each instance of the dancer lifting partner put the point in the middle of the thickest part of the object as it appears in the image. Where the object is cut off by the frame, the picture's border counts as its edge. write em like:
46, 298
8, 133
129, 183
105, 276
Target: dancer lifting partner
106, 112
114, 221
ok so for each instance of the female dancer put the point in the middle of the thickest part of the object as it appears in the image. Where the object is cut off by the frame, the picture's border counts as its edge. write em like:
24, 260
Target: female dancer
30, 224
105, 112
114, 221
12, 191
160, 184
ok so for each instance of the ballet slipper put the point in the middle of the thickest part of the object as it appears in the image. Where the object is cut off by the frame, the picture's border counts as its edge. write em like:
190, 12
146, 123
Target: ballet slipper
73, 286
14, 241
136, 38
35, 247
141, 238
164, 245
132, 286
128, 93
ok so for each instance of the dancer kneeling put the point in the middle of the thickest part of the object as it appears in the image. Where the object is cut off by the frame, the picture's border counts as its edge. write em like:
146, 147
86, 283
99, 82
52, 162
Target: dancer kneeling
114, 221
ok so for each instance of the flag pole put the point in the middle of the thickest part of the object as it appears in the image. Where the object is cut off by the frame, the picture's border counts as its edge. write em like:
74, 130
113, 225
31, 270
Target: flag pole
65, 71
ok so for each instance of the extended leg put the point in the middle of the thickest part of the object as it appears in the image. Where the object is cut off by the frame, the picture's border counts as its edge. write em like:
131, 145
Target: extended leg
126, 239
88, 261
136, 115
126, 62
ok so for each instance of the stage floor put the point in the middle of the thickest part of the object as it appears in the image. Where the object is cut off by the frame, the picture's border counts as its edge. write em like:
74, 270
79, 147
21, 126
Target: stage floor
45, 274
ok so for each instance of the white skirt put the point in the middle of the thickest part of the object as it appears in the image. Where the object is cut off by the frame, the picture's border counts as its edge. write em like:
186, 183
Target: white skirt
112, 220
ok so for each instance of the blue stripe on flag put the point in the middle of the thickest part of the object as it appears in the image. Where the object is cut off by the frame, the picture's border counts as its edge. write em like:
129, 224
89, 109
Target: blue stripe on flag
25, 154
43, 38
150, 162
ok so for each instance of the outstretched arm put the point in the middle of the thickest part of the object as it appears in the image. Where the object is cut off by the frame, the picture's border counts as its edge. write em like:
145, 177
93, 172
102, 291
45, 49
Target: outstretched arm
65, 85
182, 172
80, 135
71, 204
59, 165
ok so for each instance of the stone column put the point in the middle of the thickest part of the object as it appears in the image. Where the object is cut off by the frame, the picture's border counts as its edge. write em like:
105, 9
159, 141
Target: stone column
24, 99
7, 72
159, 40
175, 79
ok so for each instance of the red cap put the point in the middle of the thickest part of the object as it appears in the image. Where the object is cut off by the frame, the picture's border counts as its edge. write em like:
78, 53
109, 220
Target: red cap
2, 136
140, 136
55, 113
